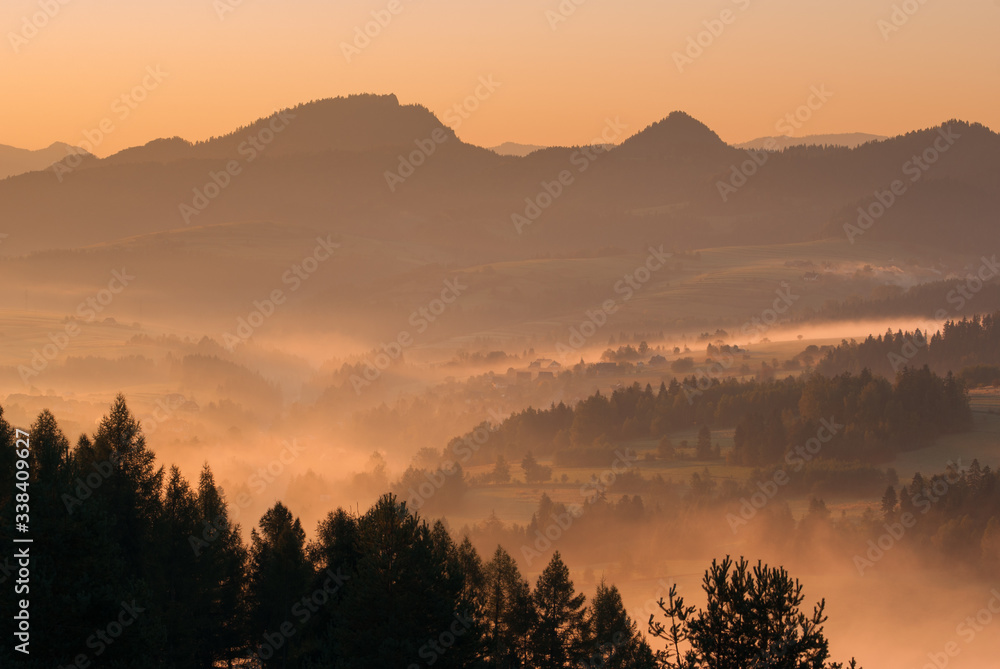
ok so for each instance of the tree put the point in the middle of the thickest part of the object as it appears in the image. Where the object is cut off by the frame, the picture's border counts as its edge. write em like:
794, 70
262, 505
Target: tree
334, 554
703, 449
534, 472
614, 641
560, 635
508, 612
222, 564
182, 582
889, 503
134, 486
406, 593
501, 470
752, 620
280, 576
665, 450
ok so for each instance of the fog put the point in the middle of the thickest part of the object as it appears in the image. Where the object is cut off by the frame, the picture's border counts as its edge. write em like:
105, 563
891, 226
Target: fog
322, 348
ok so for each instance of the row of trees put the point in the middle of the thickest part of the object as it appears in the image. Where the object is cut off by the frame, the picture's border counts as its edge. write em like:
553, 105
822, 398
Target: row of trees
863, 417
877, 417
957, 516
131, 565
959, 344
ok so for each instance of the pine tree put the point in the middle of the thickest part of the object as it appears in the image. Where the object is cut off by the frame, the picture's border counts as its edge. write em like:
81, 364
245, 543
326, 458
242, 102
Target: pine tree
508, 612
501, 470
614, 640
280, 576
560, 636
752, 619
222, 563
405, 599
133, 488
181, 598
334, 554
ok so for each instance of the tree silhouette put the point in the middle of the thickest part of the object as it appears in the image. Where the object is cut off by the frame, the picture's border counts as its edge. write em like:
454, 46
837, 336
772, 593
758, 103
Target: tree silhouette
560, 635
615, 642
280, 576
752, 620
508, 612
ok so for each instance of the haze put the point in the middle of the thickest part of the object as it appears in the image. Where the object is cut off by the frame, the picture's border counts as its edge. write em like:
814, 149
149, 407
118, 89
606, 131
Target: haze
265, 55
726, 285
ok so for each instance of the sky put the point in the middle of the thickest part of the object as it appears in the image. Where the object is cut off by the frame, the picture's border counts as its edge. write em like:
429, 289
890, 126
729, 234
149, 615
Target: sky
559, 68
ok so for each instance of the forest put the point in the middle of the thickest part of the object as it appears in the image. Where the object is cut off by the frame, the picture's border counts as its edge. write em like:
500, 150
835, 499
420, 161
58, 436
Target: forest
118, 539
863, 417
969, 347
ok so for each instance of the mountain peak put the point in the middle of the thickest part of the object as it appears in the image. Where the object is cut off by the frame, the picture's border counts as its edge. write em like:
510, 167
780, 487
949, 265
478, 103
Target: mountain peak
356, 123
679, 132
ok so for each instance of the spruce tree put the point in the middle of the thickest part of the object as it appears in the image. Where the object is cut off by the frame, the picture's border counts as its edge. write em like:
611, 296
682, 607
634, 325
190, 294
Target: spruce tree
560, 635
280, 577
614, 640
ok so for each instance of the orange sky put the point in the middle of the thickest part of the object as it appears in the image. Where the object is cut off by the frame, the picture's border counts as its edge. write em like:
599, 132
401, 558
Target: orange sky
607, 58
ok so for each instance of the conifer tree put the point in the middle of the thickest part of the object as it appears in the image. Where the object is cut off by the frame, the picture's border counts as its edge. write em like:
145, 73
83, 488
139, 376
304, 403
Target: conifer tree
560, 635
615, 642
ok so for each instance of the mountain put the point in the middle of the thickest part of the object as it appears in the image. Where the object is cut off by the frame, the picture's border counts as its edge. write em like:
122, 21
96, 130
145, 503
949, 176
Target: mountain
15, 161
394, 174
677, 134
777, 143
358, 123
515, 149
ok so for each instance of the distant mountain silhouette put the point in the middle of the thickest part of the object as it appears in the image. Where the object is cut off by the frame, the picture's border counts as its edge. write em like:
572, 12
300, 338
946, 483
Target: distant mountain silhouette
678, 133
779, 142
357, 123
331, 167
515, 149
15, 161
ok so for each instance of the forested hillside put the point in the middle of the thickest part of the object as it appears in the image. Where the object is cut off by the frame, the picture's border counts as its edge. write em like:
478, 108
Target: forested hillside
863, 416
962, 344
118, 539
